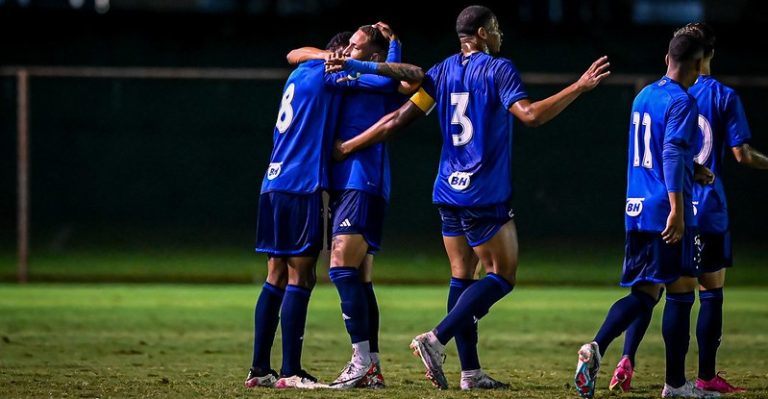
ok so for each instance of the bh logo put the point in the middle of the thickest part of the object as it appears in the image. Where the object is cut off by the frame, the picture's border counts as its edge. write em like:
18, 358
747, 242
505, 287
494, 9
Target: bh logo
274, 170
459, 181
634, 206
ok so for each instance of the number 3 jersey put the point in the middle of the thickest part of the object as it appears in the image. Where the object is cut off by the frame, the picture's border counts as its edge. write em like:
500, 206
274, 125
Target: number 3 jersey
662, 134
303, 133
473, 94
722, 123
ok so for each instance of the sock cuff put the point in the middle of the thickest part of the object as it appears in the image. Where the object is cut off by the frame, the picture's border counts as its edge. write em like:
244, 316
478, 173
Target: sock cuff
685, 297
505, 286
273, 289
711, 295
295, 289
343, 272
461, 282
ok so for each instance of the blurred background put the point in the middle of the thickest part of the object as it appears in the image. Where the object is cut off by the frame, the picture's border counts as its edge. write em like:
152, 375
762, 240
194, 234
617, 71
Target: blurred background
137, 178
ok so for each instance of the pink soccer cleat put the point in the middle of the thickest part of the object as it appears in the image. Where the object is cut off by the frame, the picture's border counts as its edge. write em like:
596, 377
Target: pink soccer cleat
718, 384
622, 376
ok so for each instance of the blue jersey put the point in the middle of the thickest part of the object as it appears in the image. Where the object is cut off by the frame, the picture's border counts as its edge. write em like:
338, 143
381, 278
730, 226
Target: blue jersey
365, 101
662, 135
473, 95
722, 124
303, 133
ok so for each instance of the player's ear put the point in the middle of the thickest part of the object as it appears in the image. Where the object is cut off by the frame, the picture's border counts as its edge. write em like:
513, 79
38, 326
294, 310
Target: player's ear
482, 33
375, 57
666, 59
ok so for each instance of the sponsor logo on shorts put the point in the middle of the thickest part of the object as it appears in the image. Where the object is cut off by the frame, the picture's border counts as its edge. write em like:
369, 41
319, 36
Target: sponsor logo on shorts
695, 209
274, 170
459, 181
634, 206
345, 223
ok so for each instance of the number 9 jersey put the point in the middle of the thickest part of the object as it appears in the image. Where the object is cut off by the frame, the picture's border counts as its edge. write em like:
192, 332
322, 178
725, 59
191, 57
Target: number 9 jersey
662, 134
473, 95
303, 135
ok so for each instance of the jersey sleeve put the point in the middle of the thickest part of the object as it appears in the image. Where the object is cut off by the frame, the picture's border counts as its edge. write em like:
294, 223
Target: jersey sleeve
366, 82
395, 51
736, 126
508, 83
682, 121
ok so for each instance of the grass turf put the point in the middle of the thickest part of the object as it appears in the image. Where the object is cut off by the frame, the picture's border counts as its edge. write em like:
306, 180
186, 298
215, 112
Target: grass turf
195, 341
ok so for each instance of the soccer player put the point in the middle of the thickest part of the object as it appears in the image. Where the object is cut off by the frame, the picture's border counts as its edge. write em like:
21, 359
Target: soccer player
661, 241
290, 225
474, 92
360, 188
722, 123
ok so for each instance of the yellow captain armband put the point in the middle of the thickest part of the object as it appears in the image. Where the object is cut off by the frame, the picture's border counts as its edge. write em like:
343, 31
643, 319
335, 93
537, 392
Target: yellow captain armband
424, 101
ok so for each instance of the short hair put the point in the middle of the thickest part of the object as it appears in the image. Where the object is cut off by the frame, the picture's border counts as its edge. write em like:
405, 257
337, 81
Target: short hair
473, 18
685, 48
339, 41
380, 43
703, 32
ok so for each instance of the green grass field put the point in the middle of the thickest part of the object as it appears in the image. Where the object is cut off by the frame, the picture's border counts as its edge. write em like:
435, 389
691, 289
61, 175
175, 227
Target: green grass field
182, 341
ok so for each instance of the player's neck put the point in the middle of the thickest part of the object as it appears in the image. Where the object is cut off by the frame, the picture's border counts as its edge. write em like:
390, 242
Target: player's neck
705, 68
682, 77
470, 45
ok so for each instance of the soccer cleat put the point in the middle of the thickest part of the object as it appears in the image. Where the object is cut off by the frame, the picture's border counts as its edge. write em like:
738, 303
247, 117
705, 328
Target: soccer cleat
375, 379
586, 370
353, 376
302, 380
688, 390
481, 381
430, 350
718, 384
622, 376
260, 378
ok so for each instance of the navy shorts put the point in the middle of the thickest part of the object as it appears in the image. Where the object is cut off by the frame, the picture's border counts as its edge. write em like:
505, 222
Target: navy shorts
647, 258
358, 212
715, 252
478, 225
290, 224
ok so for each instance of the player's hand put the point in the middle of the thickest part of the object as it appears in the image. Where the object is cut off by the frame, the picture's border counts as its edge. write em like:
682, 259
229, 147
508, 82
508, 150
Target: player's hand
334, 62
675, 228
338, 153
596, 73
385, 30
703, 175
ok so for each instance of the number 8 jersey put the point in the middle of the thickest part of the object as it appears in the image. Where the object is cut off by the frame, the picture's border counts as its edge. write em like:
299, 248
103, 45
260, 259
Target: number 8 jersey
473, 94
303, 135
663, 115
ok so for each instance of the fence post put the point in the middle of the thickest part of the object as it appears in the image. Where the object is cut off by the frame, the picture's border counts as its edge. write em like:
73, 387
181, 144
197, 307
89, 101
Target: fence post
22, 173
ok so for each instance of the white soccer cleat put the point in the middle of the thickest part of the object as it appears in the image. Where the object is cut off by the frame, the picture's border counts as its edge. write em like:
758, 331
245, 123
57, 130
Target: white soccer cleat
430, 350
480, 380
353, 376
688, 390
303, 380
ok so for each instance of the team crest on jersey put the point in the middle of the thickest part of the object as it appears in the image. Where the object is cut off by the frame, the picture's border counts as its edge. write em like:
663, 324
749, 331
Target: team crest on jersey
459, 181
634, 206
274, 170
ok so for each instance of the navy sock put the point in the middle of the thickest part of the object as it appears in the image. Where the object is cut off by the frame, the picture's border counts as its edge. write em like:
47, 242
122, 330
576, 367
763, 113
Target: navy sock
473, 304
709, 329
265, 319
466, 340
294, 319
635, 333
373, 317
354, 303
675, 329
621, 315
